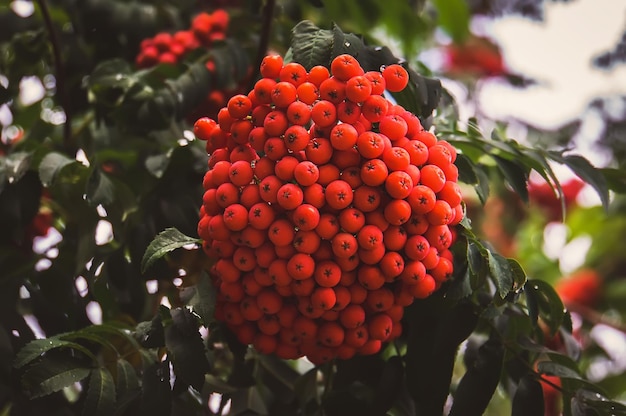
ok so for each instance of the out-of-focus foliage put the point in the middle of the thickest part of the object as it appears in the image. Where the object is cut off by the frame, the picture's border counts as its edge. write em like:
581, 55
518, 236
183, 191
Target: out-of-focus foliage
106, 304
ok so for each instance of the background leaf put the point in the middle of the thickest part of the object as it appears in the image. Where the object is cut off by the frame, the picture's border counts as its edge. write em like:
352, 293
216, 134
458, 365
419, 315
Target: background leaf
51, 374
167, 240
100, 399
50, 165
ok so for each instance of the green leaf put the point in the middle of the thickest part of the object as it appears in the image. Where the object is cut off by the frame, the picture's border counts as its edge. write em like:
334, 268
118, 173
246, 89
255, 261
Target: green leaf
500, 270
557, 369
467, 169
528, 398
156, 392
248, 400
278, 376
184, 344
389, 385
615, 178
16, 165
480, 381
51, 165
519, 275
453, 16
201, 298
311, 45
100, 189
306, 388
167, 240
590, 174
38, 347
100, 398
127, 379
482, 187
345, 43
157, 164
150, 334
549, 304
50, 375
515, 174
600, 403
435, 330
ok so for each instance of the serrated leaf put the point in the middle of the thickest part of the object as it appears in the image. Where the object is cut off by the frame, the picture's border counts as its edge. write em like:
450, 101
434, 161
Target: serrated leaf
501, 272
50, 375
167, 240
100, 398
201, 298
51, 165
515, 175
519, 275
100, 189
126, 378
311, 45
477, 261
345, 43
16, 165
38, 347
184, 344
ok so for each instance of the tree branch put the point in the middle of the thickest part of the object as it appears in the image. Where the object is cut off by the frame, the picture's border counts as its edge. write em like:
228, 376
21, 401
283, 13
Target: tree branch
59, 70
266, 28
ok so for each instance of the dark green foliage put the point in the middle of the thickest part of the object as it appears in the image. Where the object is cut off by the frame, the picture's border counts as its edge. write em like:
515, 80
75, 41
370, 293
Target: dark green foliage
139, 171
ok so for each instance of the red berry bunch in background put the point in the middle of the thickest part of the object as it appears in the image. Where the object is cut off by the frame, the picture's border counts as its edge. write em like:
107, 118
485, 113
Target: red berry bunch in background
164, 47
542, 194
581, 288
327, 209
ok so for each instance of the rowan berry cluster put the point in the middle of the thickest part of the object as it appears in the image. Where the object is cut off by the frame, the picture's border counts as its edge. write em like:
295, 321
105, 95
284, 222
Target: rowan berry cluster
165, 47
327, 208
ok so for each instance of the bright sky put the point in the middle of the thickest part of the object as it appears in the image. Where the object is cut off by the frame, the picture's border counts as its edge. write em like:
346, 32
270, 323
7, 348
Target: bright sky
557, 53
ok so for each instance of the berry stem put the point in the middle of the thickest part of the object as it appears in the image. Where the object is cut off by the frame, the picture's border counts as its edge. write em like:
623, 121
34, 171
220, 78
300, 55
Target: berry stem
268, 14
59, 70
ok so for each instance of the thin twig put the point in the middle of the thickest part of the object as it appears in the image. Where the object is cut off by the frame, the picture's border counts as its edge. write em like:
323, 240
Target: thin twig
59, 70
266, 28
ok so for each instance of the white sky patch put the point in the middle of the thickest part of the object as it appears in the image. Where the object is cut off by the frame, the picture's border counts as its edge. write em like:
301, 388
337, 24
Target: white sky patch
31, 90
152, 286
94, 312
33, 324
23, 8
42, 244
557, 53
104, 232
81, 286
574, 254
555, 239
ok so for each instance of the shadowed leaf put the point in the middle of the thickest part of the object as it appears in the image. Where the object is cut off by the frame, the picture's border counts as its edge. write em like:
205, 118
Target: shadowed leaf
100, 399
168, 240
